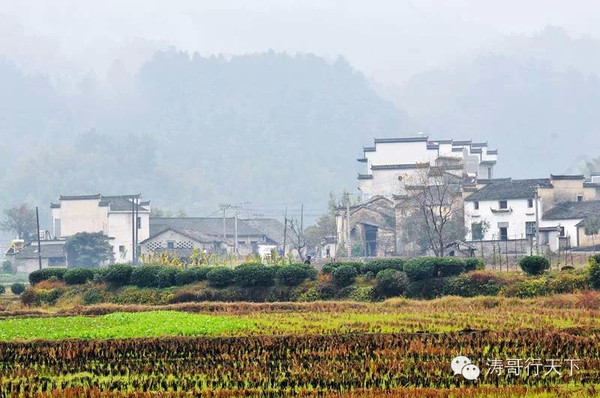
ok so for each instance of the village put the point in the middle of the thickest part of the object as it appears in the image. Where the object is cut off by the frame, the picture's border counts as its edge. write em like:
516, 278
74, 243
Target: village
416, 196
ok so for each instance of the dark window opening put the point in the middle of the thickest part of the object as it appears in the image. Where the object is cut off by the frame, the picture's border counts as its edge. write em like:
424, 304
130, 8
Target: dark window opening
476, 204
370, 240
530, 229
503, 204
170, 245
530, 203
477, 231
503, 233
139, 222
580, 198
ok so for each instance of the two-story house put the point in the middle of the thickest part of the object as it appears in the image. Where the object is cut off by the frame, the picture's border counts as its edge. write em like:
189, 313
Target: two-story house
114, 216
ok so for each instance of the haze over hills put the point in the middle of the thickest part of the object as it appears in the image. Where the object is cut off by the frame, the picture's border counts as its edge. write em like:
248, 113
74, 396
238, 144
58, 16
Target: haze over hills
190, 132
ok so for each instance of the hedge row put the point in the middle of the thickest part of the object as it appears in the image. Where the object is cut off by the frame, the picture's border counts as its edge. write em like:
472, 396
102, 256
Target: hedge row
416, 269
244, 275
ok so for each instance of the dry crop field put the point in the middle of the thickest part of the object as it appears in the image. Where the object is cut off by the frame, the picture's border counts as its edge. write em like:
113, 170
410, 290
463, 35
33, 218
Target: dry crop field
329, 349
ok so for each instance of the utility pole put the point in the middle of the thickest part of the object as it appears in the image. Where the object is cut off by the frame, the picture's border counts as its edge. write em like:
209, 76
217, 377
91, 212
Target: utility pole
284, 230
37, 219
348, 243
224, 207
537, 220
137, 227
133, 231
235, 235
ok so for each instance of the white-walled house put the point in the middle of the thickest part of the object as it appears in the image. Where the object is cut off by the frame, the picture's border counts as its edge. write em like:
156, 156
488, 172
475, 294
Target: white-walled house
112, 215
507, 209
393, 163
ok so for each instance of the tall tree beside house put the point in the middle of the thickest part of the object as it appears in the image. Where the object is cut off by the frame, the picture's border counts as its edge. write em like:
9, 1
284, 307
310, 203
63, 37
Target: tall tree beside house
434, 210
592, 228
324, 226
298, 240
21, 221
86, 249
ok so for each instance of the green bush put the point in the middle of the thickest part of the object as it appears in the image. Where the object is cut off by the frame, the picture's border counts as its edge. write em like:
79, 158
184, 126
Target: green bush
374, 266
362, 293
475, 283
447, 266
146, 276
422, 268
329, 267
567, 282
594, 273
191, 275
78, 276
6, 267
527, 288
45, 274
426, 289
2, 289
390, 283
99, 273
295, 274
253, 275
534, 265
17, 288
167, 276
92, 296
220, 277
473, 264
344, 275
118, 275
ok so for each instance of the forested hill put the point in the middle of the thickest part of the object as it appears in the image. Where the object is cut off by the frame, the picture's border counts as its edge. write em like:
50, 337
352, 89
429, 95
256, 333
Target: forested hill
190, 132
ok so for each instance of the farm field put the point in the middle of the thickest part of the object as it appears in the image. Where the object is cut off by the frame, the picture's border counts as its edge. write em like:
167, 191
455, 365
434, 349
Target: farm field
395, 348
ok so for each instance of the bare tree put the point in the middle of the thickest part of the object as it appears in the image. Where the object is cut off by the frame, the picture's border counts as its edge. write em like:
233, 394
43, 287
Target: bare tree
434, 209
592, 228
19, 220
297, 238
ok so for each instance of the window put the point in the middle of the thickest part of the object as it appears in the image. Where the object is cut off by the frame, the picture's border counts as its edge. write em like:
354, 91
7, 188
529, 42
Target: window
580, 198
530, 229
170, 245
503, 204
476, 231
139, 223
530, 203
121, 249
489, 173
503, 233
476, 204
562, 232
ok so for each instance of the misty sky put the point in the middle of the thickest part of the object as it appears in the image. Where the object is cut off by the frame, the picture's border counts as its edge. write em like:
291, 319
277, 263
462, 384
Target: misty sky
389, 40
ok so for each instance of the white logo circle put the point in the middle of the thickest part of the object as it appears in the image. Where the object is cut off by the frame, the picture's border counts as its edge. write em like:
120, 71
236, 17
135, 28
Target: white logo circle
458, 363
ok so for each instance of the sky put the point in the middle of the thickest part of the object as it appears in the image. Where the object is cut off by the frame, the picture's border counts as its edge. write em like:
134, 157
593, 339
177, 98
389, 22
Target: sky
388, 40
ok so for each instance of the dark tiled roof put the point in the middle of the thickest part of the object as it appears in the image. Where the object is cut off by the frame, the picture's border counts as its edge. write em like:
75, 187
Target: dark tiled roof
271, 227
492, 151
362, 160
510, 189
369, 149
573, 210
395, 166
365, 176
80, 197
194, 235
567, 177
119, 203
205, 225
48, 250
400, 139
54, 205
479, 144
461, 143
